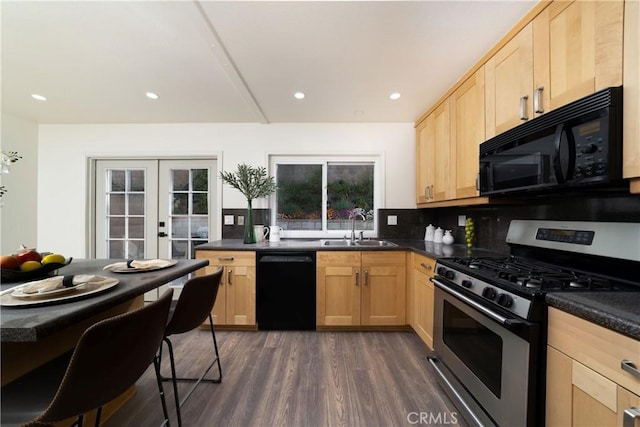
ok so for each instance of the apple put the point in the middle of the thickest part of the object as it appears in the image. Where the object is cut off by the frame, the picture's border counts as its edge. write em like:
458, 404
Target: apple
9, 262
28, 255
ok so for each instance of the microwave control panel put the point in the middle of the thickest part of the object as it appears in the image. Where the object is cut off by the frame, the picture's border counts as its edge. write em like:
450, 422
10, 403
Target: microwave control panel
591, 149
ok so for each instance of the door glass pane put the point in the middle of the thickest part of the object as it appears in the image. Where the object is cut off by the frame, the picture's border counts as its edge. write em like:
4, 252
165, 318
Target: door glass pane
179, 227
180, 180
200, 203
136, 204
116, 180
299, 197
200, 179
125, 217
116, 204
180, 205
136, 180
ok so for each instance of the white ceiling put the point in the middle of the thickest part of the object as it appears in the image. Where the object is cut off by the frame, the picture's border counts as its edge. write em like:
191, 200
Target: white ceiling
240, 61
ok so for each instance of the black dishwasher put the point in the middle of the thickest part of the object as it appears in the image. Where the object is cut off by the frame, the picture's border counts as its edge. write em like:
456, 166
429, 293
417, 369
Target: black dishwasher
286, 290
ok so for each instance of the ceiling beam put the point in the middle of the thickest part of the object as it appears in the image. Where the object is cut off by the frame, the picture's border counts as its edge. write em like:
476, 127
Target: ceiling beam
222, 55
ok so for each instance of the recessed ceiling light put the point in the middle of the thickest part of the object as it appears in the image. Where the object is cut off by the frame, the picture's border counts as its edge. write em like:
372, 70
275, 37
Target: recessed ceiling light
299, 95
394, 95
38, 97
152, 95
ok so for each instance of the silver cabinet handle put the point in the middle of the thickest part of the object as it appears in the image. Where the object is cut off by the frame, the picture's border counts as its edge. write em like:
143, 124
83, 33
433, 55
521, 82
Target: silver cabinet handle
628, 366
523, 108
366, 277
357, 277
426, 266
629, 417
537, 101
229, 277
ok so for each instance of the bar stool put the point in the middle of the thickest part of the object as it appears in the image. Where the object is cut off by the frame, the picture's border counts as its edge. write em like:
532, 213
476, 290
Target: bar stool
109, 358
190, 311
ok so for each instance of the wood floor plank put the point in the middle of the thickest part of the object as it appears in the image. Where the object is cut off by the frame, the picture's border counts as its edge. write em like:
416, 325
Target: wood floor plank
298, 378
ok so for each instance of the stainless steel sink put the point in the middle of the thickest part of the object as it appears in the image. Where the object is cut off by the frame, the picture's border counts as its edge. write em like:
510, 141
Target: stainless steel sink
338, 243
358, 243
375, 243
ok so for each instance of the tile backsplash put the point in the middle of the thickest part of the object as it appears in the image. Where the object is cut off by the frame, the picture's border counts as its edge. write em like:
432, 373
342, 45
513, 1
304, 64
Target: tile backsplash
491, 221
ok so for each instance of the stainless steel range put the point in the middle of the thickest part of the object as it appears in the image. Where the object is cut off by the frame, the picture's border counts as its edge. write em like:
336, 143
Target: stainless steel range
490, 314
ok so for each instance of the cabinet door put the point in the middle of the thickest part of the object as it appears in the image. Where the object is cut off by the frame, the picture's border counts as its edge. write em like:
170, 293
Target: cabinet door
240, 295
509, 78
467, 113
579, 396
631, 97
423, 294
444, 185
383, 288
585, 48
425, 142
338, 288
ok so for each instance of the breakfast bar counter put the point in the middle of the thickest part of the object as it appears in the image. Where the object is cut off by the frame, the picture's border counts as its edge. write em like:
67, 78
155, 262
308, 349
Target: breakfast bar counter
33, 335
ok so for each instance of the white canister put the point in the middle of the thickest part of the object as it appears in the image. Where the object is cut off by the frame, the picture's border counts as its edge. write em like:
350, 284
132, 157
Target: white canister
428, 234
437, 235
447, 239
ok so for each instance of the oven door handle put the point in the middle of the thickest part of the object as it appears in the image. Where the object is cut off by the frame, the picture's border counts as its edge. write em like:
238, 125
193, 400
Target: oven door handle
493, 315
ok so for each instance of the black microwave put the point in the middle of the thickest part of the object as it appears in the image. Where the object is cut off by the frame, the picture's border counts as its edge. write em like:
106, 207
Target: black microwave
576, 146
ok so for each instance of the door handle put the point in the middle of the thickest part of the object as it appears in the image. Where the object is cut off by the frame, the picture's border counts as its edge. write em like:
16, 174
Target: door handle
366, 277
537, 101
162, 234
229, 277
357, 277
628, 366
426, 266
523, 108
630, 416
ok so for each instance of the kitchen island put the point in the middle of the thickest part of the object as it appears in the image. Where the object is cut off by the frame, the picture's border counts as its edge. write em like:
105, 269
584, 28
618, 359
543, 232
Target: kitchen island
32, 335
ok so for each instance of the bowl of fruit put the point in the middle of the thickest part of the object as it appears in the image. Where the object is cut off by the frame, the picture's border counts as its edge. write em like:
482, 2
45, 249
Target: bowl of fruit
29, 264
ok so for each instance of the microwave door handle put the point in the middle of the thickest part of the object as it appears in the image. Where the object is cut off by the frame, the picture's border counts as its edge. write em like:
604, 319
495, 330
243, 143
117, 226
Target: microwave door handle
563, 130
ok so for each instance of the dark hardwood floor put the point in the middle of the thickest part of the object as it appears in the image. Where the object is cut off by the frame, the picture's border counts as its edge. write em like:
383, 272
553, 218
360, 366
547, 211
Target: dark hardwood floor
291, 378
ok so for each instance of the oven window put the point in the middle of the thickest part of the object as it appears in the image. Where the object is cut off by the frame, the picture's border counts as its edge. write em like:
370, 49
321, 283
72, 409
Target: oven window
479, 348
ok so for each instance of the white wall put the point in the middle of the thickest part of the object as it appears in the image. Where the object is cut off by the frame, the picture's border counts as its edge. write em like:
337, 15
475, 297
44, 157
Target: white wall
64, 150
18, 215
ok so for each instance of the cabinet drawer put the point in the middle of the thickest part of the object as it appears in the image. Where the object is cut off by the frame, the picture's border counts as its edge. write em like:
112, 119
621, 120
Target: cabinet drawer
598, 348
424, 264
216, 258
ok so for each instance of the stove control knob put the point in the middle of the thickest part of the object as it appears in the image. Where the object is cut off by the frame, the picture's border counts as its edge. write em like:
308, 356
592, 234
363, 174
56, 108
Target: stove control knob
466, 283
441, 271
450, 274
489, 293
504, 300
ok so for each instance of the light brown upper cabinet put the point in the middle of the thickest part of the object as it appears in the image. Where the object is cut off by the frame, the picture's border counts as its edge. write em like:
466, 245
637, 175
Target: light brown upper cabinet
467, 132
631, 95
580, 43
434, 166
509, 84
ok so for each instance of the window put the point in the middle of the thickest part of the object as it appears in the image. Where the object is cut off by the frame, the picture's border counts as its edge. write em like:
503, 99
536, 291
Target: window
322, 198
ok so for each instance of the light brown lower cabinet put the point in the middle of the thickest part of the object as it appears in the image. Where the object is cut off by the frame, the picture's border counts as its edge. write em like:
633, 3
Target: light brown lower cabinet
236, 301
586, 385
361, 288
422, 297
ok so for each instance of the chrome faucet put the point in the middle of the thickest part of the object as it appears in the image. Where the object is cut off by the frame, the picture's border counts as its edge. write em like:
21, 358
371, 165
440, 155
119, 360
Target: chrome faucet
353, 225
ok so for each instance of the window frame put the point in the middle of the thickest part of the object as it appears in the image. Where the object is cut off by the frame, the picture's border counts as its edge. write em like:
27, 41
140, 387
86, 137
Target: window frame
324, 160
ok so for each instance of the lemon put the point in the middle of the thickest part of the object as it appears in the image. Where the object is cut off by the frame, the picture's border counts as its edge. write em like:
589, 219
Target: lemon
53, 258
30, 266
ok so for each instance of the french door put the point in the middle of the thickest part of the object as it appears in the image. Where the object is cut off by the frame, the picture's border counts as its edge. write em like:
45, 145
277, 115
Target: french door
147, 209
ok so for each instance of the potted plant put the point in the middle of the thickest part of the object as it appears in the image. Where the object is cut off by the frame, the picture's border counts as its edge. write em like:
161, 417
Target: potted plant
253, 183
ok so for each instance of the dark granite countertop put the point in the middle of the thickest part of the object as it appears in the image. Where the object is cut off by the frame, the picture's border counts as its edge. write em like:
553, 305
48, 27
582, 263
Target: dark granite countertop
618, 311
430, 249
30, 324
